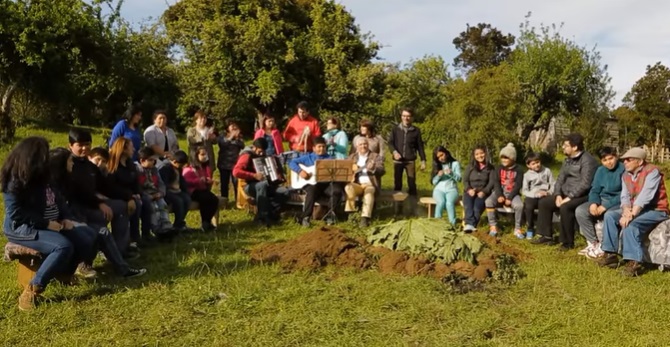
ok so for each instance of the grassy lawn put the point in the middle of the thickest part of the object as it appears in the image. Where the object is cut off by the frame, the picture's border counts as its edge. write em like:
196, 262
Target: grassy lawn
201, 290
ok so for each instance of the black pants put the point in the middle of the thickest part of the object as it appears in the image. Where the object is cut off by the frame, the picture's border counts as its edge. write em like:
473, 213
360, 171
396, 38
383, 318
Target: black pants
529, 207
398, 168
322, 192
546, 208
226, 179
208, 203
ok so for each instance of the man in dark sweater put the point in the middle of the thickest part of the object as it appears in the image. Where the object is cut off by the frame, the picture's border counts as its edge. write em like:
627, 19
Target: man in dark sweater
571, 190
405, 142
87, 184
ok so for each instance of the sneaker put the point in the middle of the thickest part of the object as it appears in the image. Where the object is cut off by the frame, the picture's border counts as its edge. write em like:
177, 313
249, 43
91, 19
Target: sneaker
529, 234
493, 231
86, 271
468, 227
596, 252
305, 222
584, 251
610, 260
519, 234
632, 269
29, 298
133, 246
134, 273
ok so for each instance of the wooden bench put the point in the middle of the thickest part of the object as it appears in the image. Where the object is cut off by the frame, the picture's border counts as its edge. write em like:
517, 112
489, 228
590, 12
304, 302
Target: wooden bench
430, 203
29, 261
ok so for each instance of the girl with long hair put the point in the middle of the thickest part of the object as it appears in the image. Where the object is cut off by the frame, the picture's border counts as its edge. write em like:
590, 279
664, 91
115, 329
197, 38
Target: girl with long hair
337, 140
445, 176
198, 177
271, 134
478, 181
37, 217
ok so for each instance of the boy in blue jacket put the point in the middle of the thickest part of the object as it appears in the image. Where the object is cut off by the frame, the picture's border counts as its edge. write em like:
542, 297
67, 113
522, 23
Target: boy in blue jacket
323, 191
605, 194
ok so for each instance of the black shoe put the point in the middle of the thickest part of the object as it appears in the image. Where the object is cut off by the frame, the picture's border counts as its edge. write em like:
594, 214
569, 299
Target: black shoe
207, 227
565, 248
134, 273
365, 222
549, 241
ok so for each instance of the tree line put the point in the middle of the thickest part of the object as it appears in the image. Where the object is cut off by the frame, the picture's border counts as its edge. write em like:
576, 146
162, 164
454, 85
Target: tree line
80, 62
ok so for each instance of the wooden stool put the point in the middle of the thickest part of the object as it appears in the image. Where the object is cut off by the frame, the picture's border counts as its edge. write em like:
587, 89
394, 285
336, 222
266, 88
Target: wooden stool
430, 204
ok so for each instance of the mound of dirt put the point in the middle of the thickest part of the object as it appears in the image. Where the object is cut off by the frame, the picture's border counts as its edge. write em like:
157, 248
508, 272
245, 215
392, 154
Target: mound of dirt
331, 246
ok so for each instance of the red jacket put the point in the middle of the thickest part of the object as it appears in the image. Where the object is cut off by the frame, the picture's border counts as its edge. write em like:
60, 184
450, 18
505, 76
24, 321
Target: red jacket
244, 168
295, 128
276, 138
192, 177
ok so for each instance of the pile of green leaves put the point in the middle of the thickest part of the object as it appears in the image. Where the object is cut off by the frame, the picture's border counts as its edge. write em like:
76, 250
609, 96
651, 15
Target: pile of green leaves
434, 238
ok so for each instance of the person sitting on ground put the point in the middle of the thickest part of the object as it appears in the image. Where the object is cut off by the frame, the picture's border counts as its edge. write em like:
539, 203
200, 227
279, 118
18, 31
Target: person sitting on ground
153, 189
605, 194
336, 139
324, 192
644, 204
477, 186
571, 190
445, 175
538, 184
230, 146
507, 182
37, 217
269, 196
177, 195
87, 183
122, 175
60, 166
367, 167
271, 134
302, 129
198, 177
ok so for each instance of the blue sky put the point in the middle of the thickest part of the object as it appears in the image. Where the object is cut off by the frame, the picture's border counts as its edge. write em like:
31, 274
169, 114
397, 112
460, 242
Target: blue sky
628, 35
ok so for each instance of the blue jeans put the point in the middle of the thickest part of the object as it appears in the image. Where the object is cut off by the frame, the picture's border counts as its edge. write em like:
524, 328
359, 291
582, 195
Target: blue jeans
85, 240
632, 235
58, 251
474, 207
180, 203
269, 198
445, 199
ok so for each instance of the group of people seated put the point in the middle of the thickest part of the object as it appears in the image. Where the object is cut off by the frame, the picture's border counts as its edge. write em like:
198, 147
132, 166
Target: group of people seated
60, 201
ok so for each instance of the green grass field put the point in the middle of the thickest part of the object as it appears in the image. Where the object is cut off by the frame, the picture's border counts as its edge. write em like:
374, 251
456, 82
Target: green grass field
202, 291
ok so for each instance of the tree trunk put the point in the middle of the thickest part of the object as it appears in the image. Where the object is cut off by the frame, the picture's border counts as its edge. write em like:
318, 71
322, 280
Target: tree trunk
6, 124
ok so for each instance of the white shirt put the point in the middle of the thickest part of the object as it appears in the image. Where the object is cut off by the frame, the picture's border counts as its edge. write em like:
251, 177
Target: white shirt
363, 178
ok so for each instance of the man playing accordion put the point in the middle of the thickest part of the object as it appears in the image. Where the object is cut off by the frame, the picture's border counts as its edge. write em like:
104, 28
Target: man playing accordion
267, 192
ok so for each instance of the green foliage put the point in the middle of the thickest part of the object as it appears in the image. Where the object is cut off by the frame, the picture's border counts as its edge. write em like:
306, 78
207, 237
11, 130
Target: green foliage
648, 106
558, 79
482, 46
434, 238
269, 55
507, 270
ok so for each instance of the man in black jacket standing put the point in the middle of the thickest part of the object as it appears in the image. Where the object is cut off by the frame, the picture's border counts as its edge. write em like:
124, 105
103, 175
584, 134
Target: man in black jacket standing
571, 190
405, 142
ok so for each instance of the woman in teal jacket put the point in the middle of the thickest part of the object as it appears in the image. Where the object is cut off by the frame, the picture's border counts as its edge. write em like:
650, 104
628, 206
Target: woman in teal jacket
445, 176
336, 139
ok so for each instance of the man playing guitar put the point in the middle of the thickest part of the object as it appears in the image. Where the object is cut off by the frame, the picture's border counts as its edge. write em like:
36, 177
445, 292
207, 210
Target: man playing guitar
323, 191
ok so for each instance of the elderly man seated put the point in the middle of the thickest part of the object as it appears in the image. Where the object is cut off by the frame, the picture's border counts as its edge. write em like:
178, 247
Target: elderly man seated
644, 204
367, 167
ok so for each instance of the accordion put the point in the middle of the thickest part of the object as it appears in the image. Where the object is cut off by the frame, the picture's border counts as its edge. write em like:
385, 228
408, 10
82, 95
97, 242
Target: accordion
269, 167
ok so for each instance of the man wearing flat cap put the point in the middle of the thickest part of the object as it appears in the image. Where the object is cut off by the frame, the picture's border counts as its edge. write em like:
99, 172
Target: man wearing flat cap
644, 204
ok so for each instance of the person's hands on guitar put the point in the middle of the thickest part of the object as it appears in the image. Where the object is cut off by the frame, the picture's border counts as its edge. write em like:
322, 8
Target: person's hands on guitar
305, 175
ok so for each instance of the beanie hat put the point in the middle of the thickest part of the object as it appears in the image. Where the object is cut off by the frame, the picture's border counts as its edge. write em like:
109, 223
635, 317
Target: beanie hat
509, 152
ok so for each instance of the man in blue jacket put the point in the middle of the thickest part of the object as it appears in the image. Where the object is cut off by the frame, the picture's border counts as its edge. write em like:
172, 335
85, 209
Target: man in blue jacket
324, 191
604, 195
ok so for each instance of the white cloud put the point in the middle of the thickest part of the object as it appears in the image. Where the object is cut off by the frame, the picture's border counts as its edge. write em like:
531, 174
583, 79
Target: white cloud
629, 34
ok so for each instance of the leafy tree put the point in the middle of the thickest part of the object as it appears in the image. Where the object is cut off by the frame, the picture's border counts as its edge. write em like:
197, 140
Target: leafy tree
633, 130
649, 99
558, 79
420, 85
482, 46
482, 109
268, 55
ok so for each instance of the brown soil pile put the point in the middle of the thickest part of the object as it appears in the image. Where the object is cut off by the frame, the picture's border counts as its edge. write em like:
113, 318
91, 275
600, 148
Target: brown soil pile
331, 246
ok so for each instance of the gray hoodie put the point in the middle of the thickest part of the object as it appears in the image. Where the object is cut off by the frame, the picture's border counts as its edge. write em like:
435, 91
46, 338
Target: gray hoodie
534, 182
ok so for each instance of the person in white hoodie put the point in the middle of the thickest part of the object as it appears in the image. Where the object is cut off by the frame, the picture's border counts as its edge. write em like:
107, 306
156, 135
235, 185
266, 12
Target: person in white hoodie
538, 183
